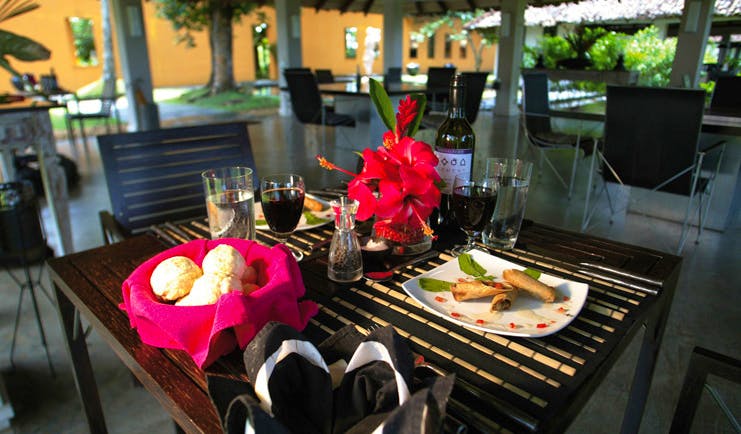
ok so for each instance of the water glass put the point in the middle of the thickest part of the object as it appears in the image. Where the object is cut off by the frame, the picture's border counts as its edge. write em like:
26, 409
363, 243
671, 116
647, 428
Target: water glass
230, 202
513, 177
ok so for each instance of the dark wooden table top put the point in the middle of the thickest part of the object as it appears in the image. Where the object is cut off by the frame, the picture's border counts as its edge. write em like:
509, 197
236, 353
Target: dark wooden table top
503, 383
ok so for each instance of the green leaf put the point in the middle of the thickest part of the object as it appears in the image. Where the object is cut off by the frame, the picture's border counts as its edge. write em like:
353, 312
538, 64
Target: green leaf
259, 222
21, 47
535, 274
421, 103
434, 285
311, 219
469, 266
383, 104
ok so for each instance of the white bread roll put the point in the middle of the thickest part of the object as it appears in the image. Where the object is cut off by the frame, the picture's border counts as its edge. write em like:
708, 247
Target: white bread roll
173, 277
224, 260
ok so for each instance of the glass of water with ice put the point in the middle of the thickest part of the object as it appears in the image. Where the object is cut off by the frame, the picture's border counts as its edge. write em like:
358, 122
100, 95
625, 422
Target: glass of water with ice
513, 176
230, 202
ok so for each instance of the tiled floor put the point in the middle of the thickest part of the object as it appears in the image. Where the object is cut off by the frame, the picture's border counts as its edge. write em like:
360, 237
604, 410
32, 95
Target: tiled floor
705, 310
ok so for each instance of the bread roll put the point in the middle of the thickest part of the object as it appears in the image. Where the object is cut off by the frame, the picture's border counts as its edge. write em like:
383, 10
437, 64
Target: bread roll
224, 260
208, 288
173, 277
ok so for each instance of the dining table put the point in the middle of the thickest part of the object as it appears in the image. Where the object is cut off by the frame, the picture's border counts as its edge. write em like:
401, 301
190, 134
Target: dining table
502, 383
349, 98
27, 124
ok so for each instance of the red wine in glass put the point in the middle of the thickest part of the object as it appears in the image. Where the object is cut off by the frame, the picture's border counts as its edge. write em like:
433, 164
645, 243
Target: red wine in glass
282, 208
473, 205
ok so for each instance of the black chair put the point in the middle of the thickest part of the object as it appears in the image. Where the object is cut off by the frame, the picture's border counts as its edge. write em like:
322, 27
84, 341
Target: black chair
536, 124
307, 103
393, 75
155, 176
438, 86
324, 76
22, 242
702, 363
475, 84
106, 110
726, 96
651, 141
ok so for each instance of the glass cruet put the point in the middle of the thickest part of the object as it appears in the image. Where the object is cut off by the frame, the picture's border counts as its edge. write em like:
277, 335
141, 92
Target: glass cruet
345, 258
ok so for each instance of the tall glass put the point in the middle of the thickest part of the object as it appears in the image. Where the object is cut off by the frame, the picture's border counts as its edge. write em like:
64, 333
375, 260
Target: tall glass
230, 202
282, 198
473, 202
513, 176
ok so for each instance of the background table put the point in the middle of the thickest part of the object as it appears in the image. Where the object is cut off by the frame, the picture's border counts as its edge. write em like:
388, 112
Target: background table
517, 384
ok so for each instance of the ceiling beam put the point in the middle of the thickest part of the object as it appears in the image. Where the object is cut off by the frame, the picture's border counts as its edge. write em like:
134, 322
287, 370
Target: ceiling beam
320, 4
472, 4
367, 6
420, 9
345, 6
443, 6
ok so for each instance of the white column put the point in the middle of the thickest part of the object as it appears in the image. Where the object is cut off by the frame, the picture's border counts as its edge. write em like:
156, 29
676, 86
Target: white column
393, 34
288, 21
134, 57
694, 29
511, 36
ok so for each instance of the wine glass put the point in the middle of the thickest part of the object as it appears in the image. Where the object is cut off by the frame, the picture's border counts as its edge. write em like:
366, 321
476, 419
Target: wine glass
473, 204
282, 198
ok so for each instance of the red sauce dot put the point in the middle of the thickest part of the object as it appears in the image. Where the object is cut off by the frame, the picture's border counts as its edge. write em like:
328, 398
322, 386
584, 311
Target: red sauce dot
542, 325
561, 309
498, 285
440, 299
512, 325
479, 321
566, 298
455, 314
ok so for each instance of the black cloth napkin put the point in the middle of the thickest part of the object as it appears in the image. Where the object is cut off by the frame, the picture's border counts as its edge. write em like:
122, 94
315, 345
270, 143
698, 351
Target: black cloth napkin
350, 383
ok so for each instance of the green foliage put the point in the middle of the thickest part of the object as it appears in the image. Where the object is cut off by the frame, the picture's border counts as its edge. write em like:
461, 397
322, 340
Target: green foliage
20, 47
83, 40
650, 55
583, 38
189, 16
238, 101
604, 53
554, 49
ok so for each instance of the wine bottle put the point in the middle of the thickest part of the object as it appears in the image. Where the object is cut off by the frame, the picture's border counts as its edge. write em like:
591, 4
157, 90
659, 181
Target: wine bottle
454, 147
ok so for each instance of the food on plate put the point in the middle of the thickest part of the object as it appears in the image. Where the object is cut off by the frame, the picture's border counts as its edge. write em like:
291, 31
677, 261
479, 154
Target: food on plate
208, 288
174, 277
470, 289
224, 260
312, 204
503, 300
532, 286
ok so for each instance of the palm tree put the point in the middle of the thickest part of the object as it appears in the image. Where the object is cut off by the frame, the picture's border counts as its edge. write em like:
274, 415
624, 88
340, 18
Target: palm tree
20, 47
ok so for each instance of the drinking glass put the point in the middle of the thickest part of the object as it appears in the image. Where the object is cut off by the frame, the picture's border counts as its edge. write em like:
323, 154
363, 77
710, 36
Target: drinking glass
513, 177
230, 202
473, 202
282, 198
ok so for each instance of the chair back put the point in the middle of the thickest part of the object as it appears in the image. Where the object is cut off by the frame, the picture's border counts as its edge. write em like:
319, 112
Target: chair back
393, 75
535, 104
155, 176
651, 134
475, 84
727, 95
324, 76
439, 77
306, 100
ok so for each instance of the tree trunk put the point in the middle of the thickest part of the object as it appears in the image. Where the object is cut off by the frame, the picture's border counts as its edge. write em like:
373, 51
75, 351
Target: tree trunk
220, 36
477, 51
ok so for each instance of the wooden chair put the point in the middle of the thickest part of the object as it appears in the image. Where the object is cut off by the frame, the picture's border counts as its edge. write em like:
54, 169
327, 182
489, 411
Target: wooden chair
155, 176
652, 141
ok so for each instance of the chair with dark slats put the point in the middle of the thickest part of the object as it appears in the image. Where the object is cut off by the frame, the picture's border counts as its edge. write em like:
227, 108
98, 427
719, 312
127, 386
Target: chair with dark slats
727, 96
652, 141
106, 110
155, 176
393, 75
307, 104
438, 86
324, 75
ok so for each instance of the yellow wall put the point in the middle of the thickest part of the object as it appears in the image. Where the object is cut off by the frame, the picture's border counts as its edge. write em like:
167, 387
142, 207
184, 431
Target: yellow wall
176, 65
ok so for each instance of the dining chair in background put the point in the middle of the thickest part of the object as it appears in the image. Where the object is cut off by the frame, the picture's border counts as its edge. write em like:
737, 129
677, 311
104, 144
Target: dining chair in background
105, 110
541, 137
308, 106
324, 76
154, 176
652, 141
438, 87
727, 96
393, 75
475, 85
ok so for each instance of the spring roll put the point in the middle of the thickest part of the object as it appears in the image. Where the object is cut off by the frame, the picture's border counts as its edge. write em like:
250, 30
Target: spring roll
477, 289
503, 300
531, 286
312, 204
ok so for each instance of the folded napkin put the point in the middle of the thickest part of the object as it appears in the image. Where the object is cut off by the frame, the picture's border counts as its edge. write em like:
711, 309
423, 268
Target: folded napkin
210, 331
348, 384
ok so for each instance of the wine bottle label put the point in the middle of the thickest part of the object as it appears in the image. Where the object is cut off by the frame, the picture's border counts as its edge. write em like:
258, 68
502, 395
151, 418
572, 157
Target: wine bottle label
452, 163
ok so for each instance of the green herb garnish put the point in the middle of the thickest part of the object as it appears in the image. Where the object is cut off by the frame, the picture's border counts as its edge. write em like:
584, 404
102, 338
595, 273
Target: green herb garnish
259, 222
535, 274
434, 285
469, 266
311, 219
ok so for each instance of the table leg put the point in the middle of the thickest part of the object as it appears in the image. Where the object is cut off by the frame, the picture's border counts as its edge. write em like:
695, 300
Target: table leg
81, 367
645, 369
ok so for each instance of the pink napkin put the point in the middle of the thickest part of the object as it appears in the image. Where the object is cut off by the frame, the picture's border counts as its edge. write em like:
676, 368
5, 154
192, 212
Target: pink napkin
210, 331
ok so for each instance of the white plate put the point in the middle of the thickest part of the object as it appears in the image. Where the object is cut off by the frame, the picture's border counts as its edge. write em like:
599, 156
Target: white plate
326, 214
527, 316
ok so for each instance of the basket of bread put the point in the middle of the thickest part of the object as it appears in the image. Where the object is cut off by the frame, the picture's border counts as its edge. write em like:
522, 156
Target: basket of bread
209, 297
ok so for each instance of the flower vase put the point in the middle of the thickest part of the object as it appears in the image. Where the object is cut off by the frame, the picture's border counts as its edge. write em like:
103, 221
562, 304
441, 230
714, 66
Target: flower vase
401, 238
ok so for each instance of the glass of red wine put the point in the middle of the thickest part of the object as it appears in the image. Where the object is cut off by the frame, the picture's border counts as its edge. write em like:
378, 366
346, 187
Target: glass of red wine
473, 204
282, 198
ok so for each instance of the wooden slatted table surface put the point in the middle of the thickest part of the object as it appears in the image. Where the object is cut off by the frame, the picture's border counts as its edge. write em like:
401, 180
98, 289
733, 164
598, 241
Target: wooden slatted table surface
503, 383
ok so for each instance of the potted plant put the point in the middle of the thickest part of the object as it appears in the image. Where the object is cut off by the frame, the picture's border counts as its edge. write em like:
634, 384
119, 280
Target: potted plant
581, 41
11, 44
